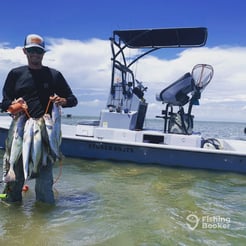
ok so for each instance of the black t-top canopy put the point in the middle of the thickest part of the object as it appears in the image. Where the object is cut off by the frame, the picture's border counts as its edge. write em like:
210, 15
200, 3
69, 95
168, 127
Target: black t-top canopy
161, 38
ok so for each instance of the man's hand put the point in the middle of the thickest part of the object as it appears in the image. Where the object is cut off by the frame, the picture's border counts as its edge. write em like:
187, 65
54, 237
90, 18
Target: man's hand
59, 100
21, 101
17, 106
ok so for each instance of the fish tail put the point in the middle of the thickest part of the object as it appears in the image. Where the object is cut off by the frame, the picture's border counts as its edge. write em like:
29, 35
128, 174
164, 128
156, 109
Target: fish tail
10, 176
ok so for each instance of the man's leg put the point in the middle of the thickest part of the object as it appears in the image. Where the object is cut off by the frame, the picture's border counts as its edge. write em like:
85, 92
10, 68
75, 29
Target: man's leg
44, 184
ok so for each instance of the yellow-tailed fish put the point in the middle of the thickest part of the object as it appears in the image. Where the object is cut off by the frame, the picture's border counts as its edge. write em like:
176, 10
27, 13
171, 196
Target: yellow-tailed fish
26, 147
16, 147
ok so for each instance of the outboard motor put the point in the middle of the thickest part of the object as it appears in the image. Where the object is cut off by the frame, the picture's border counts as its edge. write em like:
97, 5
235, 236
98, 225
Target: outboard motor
185, 90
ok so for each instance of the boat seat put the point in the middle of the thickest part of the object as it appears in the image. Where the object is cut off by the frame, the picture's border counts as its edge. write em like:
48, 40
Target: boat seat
176, 94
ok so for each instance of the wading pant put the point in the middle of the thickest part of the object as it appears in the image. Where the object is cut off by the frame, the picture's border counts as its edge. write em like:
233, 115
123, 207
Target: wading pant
43, 186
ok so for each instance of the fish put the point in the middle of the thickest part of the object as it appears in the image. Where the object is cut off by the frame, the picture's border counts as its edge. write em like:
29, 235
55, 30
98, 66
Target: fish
49, 125
16, 147
8, 143
56, 133
53, 129
37, 146
26, 146
45, 146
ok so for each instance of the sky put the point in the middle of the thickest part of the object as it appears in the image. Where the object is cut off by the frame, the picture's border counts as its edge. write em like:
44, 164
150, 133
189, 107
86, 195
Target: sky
77, 36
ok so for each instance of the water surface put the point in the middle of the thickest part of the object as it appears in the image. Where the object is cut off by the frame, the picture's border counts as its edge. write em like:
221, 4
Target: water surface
106, 203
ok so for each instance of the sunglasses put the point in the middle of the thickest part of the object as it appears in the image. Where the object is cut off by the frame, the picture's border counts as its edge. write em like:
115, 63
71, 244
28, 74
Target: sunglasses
36, 50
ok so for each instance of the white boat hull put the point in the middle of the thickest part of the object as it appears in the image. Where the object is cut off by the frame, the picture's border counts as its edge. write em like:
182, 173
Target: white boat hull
131, 149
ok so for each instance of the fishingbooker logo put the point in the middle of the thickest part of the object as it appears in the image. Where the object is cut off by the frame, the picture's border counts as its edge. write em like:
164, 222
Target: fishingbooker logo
207, 222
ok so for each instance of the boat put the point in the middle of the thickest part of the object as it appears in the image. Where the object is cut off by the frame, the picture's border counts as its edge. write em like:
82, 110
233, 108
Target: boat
120, 134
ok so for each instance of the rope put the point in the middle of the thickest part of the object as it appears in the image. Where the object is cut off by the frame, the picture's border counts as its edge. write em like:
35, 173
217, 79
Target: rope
47, 108
27, 113
60, 172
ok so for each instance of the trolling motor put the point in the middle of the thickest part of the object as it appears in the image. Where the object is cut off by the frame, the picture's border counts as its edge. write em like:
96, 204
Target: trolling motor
185, 90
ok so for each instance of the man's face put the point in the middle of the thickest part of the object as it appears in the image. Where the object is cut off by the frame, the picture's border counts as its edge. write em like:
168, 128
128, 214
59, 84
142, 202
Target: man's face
34, 56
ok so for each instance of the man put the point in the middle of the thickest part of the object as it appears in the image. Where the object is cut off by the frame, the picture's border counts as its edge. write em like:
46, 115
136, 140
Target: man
34, 86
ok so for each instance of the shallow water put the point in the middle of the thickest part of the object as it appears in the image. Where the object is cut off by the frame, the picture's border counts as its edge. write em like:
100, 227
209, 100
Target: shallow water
108, 203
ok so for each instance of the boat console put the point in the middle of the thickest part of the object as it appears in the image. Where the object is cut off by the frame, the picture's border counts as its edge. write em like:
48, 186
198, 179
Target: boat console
126, 107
